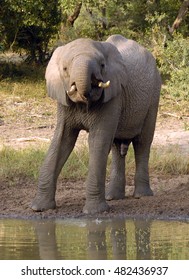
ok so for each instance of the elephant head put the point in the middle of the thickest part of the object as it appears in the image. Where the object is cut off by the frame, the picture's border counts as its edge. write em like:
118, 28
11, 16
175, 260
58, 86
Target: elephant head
85, 71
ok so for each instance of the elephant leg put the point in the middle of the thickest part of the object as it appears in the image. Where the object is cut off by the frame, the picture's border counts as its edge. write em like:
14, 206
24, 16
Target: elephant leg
61, 146
99, 146
142, 144
142, 184
116, 187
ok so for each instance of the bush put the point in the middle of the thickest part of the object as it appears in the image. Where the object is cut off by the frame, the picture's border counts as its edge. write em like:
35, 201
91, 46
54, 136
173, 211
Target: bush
29, 25
172, 56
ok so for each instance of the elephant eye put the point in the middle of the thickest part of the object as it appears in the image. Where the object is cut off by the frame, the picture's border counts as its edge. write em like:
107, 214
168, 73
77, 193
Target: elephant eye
102, 67
66, 72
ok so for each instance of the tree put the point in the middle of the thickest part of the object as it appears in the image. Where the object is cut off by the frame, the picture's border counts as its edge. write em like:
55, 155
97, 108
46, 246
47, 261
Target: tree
29, 25
92, 18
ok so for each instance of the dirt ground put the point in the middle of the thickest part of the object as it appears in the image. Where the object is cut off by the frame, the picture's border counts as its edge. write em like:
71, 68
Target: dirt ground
171, 193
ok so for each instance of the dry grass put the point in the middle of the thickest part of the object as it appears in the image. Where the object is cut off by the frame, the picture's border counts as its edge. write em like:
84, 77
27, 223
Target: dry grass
15, 164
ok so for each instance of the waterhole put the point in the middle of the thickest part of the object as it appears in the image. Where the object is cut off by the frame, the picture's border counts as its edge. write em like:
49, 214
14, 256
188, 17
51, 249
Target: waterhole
88, 239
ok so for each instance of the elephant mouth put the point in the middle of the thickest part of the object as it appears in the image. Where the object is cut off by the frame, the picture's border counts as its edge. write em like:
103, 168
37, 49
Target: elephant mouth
96, 84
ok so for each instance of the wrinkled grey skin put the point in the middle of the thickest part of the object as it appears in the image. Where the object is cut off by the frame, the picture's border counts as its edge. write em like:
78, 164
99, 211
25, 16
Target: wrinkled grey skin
123, 113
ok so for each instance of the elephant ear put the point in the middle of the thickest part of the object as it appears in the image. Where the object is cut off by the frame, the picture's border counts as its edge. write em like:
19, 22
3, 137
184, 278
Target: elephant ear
115, 72
54, 79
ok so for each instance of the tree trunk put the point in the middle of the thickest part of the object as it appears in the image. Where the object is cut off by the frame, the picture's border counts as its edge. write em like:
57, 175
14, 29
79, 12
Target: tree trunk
71, 19
181, 14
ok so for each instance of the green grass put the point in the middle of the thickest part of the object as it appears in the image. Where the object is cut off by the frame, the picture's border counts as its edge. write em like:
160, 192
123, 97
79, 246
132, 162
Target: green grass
23, 97
15, 164
24, 87
25, 163
169, 161
20, 163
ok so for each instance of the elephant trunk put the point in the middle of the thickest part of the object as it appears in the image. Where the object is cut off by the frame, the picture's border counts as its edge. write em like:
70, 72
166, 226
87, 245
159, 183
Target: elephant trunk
86, 82
80, 80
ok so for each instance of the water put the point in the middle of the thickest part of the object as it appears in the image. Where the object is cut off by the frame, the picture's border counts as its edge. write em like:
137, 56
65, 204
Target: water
76, 239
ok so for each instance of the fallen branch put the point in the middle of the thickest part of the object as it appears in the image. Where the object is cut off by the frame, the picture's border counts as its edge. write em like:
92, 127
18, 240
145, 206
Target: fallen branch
171, 115
30, 139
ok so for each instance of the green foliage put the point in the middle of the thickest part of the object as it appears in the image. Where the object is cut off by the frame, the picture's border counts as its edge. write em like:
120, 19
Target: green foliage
98, 19
29, 25
172, 55
176, 64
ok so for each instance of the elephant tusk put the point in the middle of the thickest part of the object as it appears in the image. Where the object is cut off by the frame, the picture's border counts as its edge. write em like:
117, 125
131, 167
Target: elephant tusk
75, 96
72, 90
104, 85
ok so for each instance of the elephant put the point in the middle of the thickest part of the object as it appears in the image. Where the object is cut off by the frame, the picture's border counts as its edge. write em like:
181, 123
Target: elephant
110, 89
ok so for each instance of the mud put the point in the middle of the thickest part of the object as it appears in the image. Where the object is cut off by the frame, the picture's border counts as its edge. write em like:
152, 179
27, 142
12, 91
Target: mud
170, 200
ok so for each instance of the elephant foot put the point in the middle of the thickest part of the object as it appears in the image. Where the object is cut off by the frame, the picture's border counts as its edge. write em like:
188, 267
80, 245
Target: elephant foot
115, 191
40, 204
115, 195
142, 191
92, 207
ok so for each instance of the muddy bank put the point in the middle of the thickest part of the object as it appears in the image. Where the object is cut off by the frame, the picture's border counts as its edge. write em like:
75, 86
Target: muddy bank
170, 200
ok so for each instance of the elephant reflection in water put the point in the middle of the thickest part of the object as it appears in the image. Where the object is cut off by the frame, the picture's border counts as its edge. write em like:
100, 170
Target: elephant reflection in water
142, 236
105, 240
97, 240
46, 235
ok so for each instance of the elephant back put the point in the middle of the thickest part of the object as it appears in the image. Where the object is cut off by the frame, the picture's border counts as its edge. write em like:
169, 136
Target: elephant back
139, 62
